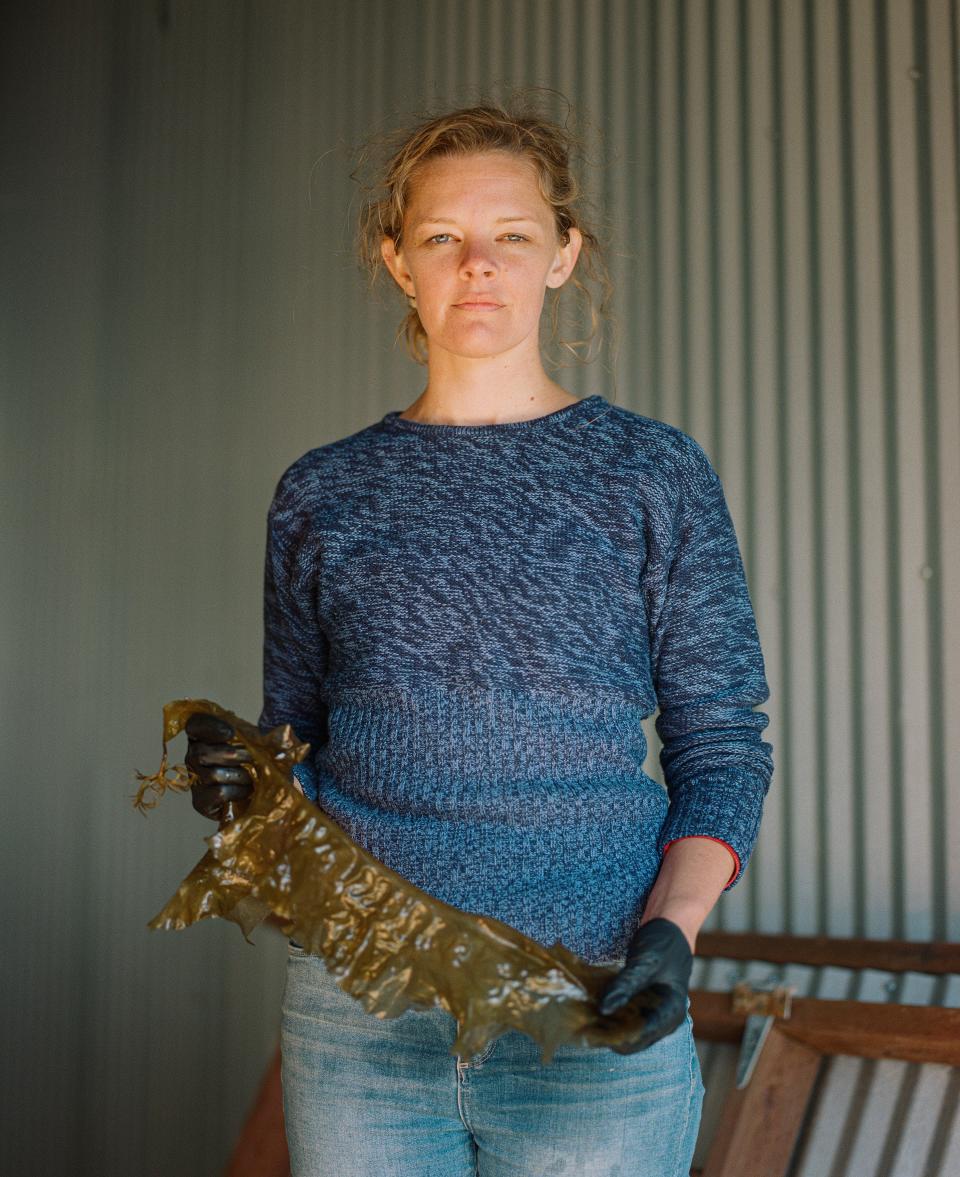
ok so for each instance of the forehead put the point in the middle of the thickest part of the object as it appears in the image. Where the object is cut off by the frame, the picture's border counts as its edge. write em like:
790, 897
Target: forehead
472, 181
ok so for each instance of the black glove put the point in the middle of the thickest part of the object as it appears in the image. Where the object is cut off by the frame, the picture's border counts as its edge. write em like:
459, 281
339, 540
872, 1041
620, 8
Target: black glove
225, 785
657, 974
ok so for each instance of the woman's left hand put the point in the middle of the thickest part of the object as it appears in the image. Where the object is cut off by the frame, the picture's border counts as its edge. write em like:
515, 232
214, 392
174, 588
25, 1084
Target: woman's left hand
657, 970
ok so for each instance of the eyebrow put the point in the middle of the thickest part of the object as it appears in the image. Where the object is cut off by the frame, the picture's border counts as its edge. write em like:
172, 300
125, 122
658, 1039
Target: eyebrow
447, 220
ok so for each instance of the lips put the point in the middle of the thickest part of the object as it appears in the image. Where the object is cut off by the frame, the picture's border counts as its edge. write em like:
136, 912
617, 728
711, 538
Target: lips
478, 305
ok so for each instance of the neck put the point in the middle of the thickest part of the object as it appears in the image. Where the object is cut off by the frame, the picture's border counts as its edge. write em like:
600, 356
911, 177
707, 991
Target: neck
486, 391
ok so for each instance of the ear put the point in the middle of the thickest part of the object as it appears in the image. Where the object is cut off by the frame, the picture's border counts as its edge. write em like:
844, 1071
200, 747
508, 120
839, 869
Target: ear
395, 264
565, 258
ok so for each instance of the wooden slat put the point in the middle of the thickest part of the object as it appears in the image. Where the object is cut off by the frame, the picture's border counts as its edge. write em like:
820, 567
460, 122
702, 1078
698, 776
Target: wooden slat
913, 1033
891, 956
758, 1130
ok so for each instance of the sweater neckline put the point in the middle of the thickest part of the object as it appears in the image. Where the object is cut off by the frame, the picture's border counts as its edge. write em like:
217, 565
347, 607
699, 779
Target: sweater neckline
567, 415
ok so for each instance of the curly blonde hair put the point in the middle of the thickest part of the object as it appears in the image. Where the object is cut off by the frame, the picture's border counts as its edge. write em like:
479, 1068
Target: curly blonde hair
517, 128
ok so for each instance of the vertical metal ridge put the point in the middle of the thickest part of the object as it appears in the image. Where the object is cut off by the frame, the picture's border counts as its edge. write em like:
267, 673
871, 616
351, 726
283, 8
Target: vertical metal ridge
947, 1115
889, 345
652, 185
684, 326
624, 347
626, 248
750, 541
945, 60
814, 301
715, 348
851, 379
338, 308
785, 759
933, 568
955, 91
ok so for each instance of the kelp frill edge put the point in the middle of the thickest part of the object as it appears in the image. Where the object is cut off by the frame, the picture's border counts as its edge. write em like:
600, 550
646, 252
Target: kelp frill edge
388, 944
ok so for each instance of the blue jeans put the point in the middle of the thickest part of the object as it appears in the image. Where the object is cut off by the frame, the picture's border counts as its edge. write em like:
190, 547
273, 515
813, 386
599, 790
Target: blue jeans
376, 1097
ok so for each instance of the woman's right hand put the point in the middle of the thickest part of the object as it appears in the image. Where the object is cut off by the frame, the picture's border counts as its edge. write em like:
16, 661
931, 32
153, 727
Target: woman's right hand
225, 786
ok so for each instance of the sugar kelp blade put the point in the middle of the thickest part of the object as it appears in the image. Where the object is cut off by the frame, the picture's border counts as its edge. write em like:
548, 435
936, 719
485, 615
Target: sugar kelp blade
389, 944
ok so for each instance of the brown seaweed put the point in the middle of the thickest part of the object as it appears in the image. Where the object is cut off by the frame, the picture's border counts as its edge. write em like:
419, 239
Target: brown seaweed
388, 944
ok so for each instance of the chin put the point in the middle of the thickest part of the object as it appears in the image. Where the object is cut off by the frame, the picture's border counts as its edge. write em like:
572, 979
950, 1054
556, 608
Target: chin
480, 345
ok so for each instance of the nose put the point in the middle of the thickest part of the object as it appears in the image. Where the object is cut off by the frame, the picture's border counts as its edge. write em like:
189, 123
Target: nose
474, 260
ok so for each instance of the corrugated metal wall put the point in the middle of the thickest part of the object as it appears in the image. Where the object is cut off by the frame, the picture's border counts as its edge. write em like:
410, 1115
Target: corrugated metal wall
182, 317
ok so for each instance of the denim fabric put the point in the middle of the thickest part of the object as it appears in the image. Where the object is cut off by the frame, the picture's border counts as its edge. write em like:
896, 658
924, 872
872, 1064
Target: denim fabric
371, 1097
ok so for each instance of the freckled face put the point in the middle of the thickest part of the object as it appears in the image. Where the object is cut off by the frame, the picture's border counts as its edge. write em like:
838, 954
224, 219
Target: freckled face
478, 250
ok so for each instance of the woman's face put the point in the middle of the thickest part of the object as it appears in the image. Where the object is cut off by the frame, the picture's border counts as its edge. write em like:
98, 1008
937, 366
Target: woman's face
478, 250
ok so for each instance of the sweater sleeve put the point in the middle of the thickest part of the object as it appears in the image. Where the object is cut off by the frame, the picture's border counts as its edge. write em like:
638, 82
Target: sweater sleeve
295, 649
708, 674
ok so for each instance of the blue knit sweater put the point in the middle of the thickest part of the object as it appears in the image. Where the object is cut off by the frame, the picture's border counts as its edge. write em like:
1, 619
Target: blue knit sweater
468, 622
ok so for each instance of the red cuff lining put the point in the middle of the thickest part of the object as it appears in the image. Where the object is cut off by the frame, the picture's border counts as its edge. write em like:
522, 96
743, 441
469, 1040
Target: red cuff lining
736, 857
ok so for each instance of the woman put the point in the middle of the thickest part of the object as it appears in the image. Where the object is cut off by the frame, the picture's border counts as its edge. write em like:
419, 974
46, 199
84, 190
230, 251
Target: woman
469, 608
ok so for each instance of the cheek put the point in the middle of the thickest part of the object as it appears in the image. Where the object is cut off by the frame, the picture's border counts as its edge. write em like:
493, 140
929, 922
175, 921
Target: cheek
434, 279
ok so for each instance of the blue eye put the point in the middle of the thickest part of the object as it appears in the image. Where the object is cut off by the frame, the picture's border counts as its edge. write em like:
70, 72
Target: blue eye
431, 240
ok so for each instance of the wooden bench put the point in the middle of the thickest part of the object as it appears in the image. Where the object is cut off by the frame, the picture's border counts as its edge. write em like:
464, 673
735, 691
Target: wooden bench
759, 1126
